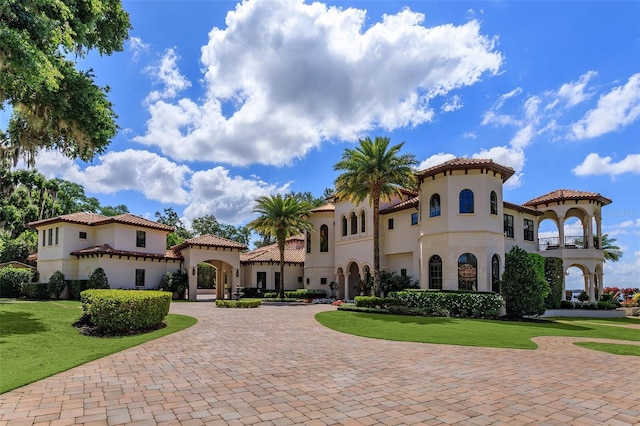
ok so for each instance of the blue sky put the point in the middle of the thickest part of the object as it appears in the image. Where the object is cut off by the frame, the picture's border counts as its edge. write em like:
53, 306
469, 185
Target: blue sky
221, 102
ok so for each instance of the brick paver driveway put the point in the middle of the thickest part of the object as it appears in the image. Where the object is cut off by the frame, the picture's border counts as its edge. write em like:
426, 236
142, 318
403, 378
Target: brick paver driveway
276, 366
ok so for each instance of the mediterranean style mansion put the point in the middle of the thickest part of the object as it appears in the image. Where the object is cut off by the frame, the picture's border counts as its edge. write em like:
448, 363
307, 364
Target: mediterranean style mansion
451, 234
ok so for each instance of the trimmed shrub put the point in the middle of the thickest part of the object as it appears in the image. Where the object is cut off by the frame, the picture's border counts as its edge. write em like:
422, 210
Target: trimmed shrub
247, 303
270, 295
56, 284
98, 279
124, 311
352, 307
38, 291
376, 302
175, 283
452, 303
304, 293
76, 287
523, 285
11, 280
553, 273
567, 304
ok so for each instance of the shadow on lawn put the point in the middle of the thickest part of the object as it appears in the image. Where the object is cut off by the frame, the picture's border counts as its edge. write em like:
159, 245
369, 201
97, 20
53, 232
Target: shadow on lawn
20, 322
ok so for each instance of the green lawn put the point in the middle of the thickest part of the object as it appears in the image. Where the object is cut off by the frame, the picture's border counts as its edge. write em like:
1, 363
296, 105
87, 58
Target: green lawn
476, 332
37, 340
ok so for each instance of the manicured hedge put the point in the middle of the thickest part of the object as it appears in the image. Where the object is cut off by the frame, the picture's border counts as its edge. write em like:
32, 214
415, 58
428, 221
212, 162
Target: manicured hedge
121, 311
11, 280
38, 291
376, 302
249, 303
455, 304
302, 293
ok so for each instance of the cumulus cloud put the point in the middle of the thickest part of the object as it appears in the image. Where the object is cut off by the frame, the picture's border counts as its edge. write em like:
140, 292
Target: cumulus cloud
573, 93
231, 199
452, 104
593, 164
282, 77
167, 74
506, 156
435, 159
616, 109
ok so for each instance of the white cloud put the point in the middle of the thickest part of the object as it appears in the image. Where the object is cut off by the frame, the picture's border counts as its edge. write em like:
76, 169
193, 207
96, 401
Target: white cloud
593, 164
452, 104
230, 199
154, 176
573, 93
168, 75
469, 135
510, 157
283, 77
435, 159
137, 47
616, 109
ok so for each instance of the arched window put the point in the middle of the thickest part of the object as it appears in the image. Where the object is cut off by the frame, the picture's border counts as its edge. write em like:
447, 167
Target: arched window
363, 226
434, 205
324, 239
354, 223
494, 202
344, 226
495, 274
435, 272
467, 272
308, 242
466, 201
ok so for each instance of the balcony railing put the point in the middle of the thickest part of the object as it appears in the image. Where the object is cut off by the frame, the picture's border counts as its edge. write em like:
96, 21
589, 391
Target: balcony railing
571, 242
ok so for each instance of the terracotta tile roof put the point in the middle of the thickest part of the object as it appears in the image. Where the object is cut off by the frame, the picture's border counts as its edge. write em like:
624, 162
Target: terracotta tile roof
107, 250
523, 209
406, 204
329, 207
293, 252
94, 219
567, 194
468, 164
209, 240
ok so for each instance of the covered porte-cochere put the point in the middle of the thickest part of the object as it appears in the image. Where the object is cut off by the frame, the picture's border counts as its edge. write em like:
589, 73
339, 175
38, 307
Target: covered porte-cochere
222, 254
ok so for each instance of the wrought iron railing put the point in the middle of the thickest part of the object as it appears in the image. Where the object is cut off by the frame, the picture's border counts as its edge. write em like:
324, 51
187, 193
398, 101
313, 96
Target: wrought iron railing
570, 242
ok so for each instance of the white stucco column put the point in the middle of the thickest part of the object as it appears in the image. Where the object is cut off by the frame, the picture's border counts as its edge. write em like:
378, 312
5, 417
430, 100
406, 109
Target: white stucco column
592, 293
561, 232
599, 231
589, 232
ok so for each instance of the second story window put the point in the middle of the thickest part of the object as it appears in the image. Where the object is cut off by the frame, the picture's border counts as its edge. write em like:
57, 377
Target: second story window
434, 205
82, 235
508, 226
528, 230
354, 223
344, 226
390, 223
363, 227
466, 201
324, 239
50, 235
414, 218
494, 202
141, 239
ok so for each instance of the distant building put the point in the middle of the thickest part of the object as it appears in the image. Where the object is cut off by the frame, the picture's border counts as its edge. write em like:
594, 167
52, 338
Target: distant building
451, 234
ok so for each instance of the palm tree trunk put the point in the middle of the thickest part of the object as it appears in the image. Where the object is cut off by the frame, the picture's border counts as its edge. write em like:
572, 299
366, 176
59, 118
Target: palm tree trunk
376, 242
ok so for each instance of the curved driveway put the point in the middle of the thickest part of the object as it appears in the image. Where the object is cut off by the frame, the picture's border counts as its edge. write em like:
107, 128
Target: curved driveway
276, 366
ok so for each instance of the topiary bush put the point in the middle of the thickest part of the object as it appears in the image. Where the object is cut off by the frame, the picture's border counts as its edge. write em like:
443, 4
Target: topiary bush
56, 284
125, 311
523, 284
98, 279
38, 291
11, 280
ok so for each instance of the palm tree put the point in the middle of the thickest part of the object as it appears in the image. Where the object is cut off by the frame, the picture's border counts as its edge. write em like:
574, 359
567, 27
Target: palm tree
281, 217
374, 171
612, 252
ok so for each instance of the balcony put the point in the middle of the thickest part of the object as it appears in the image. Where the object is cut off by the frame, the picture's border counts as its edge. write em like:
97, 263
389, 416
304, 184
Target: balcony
571, 242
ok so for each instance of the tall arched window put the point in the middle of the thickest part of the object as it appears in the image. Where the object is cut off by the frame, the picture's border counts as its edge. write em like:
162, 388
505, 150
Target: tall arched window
344, 226
354, 223
495, 274
467, 272
324, 239
434, 205
363, 226
435, 272
308, 242
466, 201
494, 202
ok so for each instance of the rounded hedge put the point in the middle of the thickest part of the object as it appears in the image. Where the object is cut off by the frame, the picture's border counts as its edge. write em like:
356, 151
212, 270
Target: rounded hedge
122, 311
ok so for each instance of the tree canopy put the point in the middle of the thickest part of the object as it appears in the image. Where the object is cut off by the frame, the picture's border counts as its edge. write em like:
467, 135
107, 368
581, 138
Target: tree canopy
53, 104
